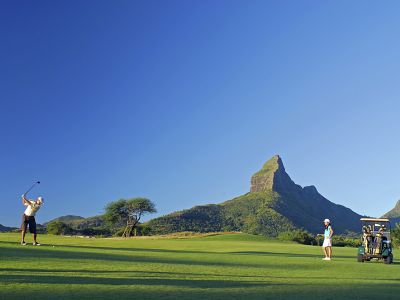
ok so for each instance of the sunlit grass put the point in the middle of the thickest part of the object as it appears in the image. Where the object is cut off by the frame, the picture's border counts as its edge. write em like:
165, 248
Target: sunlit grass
235, 266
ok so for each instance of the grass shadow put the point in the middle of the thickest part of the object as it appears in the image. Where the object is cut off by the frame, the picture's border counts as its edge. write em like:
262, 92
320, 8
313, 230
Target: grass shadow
85, 280
153, 250
286, 254
49, 253
169, 273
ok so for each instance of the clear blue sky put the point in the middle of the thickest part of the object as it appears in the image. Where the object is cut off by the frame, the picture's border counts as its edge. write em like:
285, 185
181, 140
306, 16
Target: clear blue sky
181, 101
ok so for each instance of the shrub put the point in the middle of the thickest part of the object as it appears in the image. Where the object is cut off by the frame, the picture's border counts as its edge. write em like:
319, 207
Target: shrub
396, 235
298, 236
143, 229
344, 241
99, 231
58, 228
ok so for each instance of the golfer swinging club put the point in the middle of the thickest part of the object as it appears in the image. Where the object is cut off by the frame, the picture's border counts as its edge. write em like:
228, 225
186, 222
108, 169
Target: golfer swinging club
28, 218
327, 245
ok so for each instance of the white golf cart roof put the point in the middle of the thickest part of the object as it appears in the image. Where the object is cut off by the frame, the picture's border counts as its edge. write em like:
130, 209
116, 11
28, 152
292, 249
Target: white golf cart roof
374, 220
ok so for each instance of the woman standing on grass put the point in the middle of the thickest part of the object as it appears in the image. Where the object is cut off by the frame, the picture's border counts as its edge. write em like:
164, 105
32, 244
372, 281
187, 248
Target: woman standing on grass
327, 245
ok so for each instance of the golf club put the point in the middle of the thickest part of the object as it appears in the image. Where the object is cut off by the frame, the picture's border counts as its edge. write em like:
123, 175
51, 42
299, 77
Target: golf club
33, 185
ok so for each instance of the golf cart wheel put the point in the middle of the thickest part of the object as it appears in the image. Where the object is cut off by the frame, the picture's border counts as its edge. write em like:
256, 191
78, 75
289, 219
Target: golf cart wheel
389, 259
360, 258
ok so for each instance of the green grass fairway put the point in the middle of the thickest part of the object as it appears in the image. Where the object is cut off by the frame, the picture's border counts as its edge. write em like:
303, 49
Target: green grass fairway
234, 266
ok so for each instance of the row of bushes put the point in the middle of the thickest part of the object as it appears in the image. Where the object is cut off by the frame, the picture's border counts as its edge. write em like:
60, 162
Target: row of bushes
61, 228
298, 236
306, 238
396, 235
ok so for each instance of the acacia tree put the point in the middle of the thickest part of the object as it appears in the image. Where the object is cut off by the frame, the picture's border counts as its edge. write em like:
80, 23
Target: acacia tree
128, 213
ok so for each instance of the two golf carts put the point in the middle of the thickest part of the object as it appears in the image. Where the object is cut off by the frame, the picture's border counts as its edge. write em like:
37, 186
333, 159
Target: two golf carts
376, 242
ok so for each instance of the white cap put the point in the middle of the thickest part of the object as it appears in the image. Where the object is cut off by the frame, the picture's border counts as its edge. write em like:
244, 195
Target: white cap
40, 199
327, 221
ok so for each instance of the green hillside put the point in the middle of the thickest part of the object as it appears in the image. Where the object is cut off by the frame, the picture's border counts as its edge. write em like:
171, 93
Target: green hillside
5, 228
253, 213
77, 225
68, 219
91, 222
77, 222
275, 204
394, 213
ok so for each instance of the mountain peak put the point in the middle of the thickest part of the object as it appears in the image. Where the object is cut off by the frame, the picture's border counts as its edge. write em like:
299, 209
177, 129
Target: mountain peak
273, 164
275, 204
310, 189
272, 173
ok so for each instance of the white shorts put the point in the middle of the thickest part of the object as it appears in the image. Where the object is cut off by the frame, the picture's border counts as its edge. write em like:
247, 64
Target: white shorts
327, 243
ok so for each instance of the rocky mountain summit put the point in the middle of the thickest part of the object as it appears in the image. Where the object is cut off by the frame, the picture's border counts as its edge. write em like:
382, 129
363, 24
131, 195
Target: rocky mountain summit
274, 204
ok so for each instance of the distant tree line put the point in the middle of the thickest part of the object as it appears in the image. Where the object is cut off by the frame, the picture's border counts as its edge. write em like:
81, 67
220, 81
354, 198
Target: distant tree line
349, 239
396, 235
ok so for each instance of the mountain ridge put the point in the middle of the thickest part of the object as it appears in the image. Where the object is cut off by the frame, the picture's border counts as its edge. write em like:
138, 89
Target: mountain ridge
274, 201
6, 228
394, 213
67, 219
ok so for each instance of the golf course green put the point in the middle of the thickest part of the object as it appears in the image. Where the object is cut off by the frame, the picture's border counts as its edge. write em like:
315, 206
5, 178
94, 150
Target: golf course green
231, 266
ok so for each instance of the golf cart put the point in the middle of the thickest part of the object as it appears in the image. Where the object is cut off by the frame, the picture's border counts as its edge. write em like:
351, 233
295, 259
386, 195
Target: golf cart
376, 242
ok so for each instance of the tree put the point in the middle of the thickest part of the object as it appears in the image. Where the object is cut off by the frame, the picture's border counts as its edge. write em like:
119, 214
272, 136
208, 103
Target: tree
297, 235
396, 234
128, 213
58, 228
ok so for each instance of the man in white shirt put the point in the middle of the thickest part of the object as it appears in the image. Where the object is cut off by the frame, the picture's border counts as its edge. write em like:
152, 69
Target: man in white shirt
28, 218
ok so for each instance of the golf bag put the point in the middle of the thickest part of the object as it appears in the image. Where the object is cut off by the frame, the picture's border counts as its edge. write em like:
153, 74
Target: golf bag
378, 244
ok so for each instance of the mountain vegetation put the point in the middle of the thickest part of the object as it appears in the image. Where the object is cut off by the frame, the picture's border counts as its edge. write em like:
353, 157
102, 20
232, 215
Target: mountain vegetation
6, 229
77, 225
68, 219
274, 204
394, 214
58, 228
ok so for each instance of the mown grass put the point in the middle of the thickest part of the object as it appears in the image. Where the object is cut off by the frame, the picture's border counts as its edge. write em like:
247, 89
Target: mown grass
235, 266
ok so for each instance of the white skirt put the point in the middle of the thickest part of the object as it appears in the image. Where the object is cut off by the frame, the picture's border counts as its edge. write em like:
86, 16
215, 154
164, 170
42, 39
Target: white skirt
327, 243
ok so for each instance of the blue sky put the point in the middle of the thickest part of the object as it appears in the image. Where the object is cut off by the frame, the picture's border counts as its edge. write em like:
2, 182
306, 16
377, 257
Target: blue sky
182, 101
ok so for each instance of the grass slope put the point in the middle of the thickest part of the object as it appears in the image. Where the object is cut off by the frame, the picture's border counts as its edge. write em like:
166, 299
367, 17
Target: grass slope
236, 266
394, 213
